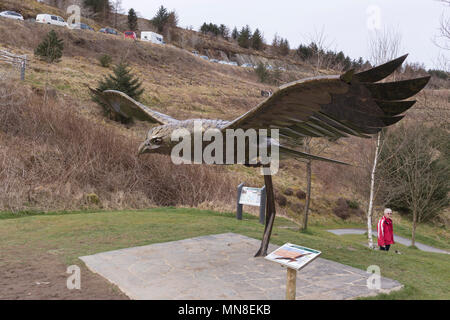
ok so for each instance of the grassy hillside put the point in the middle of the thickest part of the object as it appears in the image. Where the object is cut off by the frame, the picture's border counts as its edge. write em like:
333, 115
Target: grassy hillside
177, 83
59, 239
30, 8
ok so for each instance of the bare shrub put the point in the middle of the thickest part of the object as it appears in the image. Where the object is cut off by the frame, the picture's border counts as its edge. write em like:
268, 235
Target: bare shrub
53, 158
280, 199
300, 194
346, 208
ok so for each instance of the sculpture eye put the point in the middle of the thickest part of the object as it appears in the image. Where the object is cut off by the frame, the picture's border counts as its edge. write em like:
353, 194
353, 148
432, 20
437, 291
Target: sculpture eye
157, 141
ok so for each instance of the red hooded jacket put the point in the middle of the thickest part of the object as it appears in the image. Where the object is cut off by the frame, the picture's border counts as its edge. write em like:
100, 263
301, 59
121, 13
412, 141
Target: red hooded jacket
385, 231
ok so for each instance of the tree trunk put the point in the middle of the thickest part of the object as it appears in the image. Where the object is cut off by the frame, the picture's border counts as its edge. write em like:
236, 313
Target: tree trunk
413, 234
308, 194
372, 191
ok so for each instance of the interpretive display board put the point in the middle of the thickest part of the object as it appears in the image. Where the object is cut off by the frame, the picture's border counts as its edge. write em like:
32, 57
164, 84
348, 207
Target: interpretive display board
293, 256
253, 197
250, 196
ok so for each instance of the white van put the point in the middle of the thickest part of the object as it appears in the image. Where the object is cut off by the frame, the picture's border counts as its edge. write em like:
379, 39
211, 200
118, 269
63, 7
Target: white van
51, 19
152, 37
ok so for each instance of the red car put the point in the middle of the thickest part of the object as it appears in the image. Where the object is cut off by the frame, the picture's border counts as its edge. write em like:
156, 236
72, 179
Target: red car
130, 35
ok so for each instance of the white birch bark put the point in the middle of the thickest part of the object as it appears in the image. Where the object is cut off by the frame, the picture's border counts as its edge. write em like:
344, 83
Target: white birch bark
372, 192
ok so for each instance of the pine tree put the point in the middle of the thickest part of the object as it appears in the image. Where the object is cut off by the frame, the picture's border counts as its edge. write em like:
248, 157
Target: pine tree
224, 31
262, 73
50, 49
257, 40
121, 80
244, 37
161, 18
284, 47
204, 28
132, 20
235, 34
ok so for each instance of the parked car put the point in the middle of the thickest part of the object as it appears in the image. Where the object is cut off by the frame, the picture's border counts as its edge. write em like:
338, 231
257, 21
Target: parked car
108, 31
204, 57
51, 19
11, 15
214, 60
223, 62
152, 37
247, 65
232, 63
195, 52
130, 35
81, 26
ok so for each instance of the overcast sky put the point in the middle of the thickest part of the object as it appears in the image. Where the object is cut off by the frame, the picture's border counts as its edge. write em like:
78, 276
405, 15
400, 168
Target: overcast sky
347, 23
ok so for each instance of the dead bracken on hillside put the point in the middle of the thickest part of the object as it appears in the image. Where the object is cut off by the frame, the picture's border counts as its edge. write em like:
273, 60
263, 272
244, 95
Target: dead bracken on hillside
43, 175
52, 158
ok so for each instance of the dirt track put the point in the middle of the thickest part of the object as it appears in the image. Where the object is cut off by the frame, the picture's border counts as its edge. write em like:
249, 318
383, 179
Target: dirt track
25, 276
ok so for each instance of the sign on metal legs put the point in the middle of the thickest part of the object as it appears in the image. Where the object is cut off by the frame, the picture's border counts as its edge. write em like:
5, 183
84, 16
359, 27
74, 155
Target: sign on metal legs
251, 197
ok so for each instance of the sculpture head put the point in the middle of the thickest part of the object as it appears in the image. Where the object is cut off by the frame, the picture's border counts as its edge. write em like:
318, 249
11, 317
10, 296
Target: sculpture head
157, 141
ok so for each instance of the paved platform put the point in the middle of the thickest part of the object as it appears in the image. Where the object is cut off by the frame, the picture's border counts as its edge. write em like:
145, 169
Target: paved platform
397, 239
222, 267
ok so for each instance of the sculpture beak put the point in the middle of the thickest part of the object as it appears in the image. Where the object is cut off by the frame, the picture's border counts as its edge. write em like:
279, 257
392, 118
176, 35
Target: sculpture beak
143, 148
146, 147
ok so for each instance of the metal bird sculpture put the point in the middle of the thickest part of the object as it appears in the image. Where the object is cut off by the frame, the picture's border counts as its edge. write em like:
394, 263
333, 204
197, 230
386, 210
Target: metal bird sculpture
334, 106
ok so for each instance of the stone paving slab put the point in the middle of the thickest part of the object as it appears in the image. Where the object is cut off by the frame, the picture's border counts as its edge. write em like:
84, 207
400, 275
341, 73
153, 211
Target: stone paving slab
397, 239
222, 267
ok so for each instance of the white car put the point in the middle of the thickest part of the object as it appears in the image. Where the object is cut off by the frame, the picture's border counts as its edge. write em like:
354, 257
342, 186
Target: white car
247, 65
152, 37
204, 57
11, 15
51, 19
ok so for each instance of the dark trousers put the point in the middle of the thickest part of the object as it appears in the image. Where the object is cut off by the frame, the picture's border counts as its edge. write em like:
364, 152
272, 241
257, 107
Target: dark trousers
386, 247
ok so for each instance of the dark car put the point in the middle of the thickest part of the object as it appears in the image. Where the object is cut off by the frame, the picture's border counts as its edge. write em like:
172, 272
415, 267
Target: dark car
82, 26
108, 31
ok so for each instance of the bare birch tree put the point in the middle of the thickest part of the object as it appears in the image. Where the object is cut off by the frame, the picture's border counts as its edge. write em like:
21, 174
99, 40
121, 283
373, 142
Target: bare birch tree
384, 45
320, 44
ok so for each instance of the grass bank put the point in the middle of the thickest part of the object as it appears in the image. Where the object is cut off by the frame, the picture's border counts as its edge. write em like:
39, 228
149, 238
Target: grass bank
73, 234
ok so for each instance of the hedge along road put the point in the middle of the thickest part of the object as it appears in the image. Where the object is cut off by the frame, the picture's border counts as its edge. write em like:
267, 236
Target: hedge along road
397, 239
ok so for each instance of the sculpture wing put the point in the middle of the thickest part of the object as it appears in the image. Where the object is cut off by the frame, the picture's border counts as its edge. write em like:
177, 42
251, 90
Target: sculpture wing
335, 106
124, 105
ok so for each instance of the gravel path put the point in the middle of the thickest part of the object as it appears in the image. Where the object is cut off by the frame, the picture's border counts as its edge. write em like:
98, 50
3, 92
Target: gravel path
397, 239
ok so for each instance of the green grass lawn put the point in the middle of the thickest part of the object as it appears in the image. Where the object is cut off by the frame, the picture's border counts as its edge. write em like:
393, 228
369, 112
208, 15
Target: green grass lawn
424, 275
